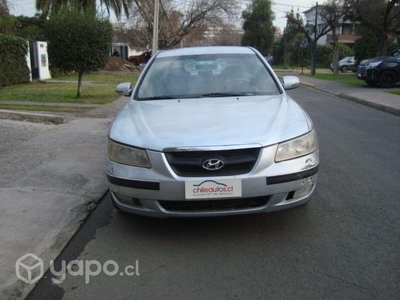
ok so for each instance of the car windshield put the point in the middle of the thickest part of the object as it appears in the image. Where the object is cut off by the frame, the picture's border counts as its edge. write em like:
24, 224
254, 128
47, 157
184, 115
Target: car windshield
208, 75
346, 59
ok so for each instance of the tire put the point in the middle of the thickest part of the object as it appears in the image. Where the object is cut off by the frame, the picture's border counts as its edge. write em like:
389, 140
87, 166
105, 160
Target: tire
371, 83
344, 69
134, 62
387, 79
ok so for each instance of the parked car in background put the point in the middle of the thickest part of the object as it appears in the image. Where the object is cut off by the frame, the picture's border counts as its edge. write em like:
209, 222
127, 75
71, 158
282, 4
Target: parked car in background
210, 131
384, 71
140, 59
346, 64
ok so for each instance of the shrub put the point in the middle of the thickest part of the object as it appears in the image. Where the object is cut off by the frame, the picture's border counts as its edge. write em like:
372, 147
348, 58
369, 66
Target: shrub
13, 64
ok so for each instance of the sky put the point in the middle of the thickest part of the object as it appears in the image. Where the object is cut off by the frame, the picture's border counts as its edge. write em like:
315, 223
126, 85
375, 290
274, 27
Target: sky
280, 7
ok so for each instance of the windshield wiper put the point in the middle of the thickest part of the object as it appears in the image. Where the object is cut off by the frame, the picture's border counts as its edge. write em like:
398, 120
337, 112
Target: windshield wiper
157, 98
225, 94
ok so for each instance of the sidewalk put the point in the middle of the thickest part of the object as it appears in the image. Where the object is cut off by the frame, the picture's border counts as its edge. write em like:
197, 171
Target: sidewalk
50, 183
372, 96
52, 177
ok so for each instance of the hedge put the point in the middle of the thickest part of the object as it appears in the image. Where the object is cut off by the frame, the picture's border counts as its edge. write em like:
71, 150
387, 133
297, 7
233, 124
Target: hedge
13, 65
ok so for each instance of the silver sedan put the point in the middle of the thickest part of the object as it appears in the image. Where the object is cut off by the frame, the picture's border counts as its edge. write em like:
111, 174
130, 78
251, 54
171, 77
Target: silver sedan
210, 131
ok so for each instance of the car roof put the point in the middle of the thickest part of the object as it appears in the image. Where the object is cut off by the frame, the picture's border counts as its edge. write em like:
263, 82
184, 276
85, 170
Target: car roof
206, 50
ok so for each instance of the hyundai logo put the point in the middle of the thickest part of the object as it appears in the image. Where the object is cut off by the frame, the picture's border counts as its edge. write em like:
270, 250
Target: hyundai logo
213, 164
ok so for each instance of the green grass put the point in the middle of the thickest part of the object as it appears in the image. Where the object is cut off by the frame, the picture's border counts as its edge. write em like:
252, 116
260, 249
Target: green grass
101, 90
349, 79
396, 93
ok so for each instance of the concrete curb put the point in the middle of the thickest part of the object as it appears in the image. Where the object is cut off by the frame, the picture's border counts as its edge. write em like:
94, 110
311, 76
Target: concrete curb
384, 108
378, 106
34, 117
308, 84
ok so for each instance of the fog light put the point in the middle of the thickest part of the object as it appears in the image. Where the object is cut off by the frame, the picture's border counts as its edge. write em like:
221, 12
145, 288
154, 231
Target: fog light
129, 200
302, 192
124, 199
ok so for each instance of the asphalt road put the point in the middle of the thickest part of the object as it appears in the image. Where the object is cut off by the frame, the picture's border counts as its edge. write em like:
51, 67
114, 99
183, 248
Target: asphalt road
344, 244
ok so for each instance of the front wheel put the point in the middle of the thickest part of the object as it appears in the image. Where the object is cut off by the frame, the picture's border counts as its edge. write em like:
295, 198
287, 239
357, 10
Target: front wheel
344, 69
387, 79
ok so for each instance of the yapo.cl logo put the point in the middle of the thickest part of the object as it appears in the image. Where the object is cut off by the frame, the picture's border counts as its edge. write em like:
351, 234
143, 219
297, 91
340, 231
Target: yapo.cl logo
213, 164
29, 268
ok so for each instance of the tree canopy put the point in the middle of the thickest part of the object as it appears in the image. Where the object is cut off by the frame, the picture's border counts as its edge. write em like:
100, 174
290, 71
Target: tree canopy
258, 29
53, 6
181, 23
379, 16
78, 41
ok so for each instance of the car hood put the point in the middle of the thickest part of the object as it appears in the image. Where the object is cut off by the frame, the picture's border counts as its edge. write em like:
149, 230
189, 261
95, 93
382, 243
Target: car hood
209, 122
371, 60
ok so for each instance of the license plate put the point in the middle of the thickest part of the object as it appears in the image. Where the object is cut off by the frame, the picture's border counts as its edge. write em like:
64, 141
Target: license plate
213, 188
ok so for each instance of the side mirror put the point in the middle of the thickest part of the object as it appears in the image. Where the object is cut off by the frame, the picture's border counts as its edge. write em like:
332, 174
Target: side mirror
124, 89
290, 82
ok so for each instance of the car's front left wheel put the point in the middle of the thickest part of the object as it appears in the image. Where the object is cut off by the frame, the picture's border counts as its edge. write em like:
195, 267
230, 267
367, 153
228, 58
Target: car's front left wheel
387, 79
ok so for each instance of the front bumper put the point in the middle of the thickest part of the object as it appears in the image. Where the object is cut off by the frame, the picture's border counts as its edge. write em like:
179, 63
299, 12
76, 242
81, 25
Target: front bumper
363, 73
159, 192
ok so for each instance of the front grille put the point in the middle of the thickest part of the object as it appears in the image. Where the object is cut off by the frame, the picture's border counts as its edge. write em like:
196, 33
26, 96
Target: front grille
362, 69
214, 205
189, 163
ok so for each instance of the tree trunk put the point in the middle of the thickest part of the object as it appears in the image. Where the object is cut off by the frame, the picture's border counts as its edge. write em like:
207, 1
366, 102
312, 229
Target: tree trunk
314, 58
79, 94
383, 44
285, 53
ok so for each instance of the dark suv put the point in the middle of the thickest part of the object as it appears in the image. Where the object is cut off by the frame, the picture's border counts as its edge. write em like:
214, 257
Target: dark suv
384, 71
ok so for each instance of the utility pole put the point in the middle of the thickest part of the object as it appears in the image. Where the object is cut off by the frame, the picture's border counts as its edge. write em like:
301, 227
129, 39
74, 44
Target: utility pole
155, 27
314, 58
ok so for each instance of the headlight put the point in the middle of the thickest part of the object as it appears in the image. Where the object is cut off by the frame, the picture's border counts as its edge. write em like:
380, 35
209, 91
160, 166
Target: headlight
297, 147
127, 155
374, 64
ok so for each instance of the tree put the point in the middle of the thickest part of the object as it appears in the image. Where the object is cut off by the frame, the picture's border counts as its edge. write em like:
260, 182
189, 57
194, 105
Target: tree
53, 6
365, 46
78, 41
258, 29
333, 13
378, 16
7, 21
4, 10
30, 28
311, 41
290, 32
179, 22
135, 35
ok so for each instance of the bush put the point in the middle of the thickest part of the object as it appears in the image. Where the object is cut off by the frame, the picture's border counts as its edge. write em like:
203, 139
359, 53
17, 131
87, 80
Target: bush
13, 65
324, 54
